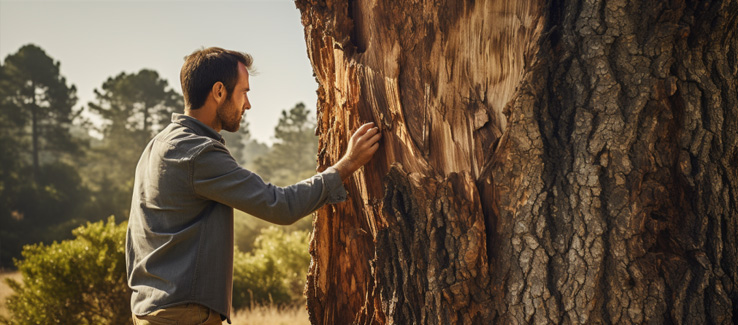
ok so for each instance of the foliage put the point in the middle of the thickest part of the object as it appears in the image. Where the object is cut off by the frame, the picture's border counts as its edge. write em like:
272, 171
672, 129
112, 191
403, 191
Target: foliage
82, 281
79, 281
289, 160
64, 199
38, 152
42, 156
274, 272
133, 108
292, 157
254, 150
247, 228
37, 105
137, 103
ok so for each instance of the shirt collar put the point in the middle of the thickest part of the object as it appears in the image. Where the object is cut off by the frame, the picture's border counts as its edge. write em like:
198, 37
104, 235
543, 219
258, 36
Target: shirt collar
196, 125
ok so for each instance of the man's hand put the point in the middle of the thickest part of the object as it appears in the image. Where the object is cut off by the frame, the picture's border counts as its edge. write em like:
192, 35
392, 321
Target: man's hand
362, 146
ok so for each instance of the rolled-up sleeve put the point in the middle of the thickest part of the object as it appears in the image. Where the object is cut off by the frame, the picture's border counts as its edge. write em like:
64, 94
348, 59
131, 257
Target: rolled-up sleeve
218, 177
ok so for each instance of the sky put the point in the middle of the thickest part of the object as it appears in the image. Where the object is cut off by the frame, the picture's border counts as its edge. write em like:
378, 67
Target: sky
98, 39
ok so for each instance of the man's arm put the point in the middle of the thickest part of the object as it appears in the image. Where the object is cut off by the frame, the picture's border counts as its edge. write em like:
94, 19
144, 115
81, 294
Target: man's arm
218, 177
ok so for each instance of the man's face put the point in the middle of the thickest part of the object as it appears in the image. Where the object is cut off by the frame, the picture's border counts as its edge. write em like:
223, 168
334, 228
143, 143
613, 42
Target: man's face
230, 112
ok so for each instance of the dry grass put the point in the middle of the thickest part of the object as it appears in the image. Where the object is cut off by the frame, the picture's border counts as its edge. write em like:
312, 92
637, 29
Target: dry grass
5, 290
271, 315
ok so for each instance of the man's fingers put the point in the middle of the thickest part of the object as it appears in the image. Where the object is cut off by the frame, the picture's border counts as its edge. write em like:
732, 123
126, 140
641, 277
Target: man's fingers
374, 139
370, 146
362, 129
374, 148
368, 134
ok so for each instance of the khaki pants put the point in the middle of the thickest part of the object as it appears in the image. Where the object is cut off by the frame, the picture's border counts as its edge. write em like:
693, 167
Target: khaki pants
189, 314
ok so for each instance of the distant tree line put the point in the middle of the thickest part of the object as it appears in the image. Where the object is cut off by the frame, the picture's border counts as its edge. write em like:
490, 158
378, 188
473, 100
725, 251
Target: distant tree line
55, 175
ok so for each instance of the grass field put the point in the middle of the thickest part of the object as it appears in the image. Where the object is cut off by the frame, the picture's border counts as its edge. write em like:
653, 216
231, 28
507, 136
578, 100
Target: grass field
271, 315
5, 291
256, 315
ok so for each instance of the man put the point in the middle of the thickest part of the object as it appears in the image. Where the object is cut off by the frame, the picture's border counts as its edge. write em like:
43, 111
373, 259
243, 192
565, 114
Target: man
179, 244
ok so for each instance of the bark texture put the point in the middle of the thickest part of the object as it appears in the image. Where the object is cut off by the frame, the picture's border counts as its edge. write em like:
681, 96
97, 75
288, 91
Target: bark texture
547, 162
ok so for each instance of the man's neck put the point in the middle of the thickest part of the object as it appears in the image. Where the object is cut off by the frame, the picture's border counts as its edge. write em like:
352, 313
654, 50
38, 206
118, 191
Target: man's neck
204, 115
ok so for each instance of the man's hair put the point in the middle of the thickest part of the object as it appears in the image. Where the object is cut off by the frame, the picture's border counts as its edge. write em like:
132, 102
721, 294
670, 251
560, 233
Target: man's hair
204, 67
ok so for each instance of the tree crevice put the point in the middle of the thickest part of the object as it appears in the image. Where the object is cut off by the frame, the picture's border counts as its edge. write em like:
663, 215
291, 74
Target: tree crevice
357, 36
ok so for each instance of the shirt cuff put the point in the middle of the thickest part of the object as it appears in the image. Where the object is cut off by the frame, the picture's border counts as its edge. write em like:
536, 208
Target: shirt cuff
333, 183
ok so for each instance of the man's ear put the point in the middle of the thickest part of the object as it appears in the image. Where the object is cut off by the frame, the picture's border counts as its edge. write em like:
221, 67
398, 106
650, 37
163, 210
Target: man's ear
219, 92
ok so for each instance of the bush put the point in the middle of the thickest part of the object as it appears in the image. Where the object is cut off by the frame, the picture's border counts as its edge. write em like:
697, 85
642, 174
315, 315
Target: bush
274, 272
78, 281
83, 280
23, 220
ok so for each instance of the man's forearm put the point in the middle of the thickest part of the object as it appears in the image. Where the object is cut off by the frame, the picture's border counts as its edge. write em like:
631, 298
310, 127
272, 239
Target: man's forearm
345, 168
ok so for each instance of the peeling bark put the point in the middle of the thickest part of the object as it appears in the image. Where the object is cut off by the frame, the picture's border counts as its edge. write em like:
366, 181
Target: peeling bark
547, 162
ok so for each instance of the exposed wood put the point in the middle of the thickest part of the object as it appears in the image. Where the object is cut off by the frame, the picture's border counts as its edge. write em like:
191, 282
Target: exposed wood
564, 162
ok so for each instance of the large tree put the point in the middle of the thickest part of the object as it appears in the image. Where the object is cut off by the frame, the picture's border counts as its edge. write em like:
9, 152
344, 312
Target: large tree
36, 105
139, 102
292, 156
133, 107
41, 195
542, 161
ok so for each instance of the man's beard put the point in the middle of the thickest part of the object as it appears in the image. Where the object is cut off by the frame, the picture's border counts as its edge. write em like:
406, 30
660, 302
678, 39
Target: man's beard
229, 117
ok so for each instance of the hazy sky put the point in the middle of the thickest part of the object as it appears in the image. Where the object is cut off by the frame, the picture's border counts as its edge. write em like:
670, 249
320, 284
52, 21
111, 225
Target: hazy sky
97, 39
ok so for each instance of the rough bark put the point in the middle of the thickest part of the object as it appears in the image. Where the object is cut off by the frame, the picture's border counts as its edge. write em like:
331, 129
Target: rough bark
562, 162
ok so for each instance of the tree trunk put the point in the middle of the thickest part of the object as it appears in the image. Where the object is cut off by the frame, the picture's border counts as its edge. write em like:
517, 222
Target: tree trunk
547, 162
35, 111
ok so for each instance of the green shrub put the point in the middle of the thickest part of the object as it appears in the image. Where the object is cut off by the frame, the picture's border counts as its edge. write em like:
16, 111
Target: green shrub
274, 272
83, 280
78, 281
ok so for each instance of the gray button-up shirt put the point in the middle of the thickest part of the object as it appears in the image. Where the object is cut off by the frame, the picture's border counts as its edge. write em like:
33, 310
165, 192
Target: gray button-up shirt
179, 244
